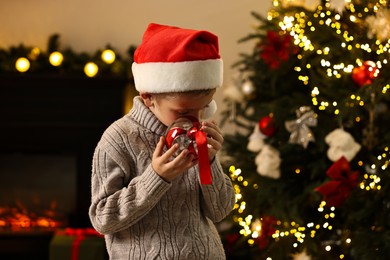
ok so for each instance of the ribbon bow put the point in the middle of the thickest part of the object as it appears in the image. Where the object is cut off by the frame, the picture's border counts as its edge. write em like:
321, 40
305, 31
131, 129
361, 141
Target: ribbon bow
343, 181
299, 128
189, 134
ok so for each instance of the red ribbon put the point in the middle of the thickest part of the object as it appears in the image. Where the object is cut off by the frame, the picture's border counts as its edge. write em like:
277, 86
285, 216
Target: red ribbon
80, 234
277, 49
336, 191
203, 158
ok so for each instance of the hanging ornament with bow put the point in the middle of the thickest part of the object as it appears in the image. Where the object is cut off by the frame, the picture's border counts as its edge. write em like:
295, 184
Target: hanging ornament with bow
185, 131
344, 180
299, 128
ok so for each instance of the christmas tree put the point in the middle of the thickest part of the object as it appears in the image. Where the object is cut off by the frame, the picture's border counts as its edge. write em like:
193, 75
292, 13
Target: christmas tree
309, 158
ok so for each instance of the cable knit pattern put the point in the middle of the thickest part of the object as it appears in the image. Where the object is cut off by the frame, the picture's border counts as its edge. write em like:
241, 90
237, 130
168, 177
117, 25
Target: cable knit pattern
141, 215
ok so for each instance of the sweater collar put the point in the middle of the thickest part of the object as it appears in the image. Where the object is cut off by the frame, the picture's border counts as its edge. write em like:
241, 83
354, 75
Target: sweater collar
145, 117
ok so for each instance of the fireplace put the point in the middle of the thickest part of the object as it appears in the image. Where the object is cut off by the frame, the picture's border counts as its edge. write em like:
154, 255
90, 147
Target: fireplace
49, 128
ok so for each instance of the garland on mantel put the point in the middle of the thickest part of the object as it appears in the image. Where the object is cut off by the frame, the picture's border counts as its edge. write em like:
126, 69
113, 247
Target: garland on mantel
56, 61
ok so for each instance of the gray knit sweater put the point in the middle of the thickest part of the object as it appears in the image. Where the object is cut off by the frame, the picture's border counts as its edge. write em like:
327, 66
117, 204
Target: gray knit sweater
141, 215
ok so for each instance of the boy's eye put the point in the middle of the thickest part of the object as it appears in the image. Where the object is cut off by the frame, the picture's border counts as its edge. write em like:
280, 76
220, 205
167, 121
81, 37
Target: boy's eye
182, 112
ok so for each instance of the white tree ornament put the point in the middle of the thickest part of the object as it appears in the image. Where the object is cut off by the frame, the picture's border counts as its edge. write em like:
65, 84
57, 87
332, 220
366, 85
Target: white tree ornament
341, 143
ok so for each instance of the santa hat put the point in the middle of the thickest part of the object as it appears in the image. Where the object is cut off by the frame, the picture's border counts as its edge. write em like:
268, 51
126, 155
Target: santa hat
173, 59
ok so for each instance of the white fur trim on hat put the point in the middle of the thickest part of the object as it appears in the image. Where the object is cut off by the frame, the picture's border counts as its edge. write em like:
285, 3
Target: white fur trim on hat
210, 110
163, 77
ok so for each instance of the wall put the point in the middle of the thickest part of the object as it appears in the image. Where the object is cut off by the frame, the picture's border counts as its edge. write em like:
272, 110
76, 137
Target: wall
91, 24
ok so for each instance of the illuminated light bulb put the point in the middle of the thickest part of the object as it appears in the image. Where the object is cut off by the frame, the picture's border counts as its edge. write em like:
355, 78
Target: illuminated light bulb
56, 58
108, 56
91, 69
22, 64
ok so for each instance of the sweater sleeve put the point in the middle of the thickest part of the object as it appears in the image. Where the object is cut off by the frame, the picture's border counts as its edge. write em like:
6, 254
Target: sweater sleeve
116, 205
218, 198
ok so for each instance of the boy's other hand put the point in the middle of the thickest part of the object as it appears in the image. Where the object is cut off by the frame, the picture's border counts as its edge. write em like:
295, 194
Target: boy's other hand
214, 137
167, 168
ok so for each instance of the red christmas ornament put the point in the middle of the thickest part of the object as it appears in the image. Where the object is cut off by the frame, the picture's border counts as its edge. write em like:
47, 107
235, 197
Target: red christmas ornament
277, 49
365, 74
268, 224
267, 126
182, 131
231, 240
336, 191
186, 132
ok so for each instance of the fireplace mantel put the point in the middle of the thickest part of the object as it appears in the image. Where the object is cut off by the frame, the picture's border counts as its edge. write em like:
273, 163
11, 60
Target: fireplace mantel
47, 114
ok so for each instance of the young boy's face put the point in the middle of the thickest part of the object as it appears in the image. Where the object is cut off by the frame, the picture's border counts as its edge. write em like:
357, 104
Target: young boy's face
167, 108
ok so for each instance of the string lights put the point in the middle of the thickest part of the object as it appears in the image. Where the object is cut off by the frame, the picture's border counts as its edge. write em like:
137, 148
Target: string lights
56, 58
30, 60
372, 176
300, 24
251, 228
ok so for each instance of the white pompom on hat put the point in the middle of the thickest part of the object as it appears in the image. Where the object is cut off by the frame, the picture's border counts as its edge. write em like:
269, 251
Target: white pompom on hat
173, 59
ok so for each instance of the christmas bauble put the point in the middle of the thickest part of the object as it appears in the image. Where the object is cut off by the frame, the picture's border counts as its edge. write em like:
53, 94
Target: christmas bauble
248, 89
267, 126
365, 74
182, 131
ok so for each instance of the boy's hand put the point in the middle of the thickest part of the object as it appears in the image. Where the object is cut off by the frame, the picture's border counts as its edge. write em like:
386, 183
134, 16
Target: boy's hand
167, 168
214, 137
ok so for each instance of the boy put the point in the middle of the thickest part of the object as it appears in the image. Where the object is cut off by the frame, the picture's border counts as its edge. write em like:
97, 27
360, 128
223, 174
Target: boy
148, 204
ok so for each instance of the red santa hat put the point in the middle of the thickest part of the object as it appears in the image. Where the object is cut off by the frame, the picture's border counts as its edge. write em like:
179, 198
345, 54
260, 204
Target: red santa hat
173, 59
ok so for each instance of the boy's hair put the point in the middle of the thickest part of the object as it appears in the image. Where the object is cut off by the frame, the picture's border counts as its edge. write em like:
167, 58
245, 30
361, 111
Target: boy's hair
199, 92
172, 59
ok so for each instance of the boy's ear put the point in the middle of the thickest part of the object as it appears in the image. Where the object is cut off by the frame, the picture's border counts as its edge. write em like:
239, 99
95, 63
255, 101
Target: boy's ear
147, 98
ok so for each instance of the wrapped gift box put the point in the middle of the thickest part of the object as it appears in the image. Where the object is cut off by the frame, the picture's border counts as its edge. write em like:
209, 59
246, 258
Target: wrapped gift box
77, 244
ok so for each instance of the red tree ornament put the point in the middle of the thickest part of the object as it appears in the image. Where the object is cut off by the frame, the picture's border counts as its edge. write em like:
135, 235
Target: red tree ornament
267, 126
277, 49
268, 224
365, 74
336, 191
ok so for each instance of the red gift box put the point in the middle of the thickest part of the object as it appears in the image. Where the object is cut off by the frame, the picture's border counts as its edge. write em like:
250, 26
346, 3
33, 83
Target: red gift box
78, 244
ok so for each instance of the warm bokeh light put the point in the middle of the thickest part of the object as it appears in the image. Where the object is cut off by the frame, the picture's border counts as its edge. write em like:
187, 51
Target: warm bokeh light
108, 56
22, 64
56, 58
91, 69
